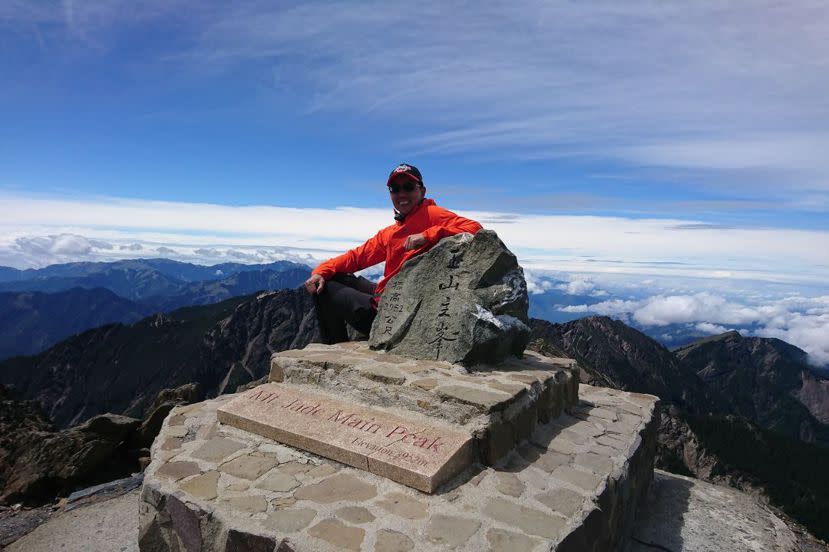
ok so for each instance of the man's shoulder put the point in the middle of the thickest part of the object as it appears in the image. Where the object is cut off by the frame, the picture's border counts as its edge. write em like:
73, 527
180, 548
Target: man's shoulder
434, 209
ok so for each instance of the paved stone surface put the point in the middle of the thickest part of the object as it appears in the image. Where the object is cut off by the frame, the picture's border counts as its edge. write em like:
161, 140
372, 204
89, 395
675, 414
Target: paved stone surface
248, 503
337, 488
527, 501
290, 521
450, 530
584, 480
178, 470
563, 501
249, 466
355, 514
509, 484
685, 514
338, 534
203, 485
279, 482
217, 449
529, 520
484, 399
404, 506
465, 300
392, 541
508, 541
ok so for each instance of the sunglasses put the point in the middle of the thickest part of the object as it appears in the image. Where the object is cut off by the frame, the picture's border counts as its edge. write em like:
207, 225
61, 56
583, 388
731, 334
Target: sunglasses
408, 186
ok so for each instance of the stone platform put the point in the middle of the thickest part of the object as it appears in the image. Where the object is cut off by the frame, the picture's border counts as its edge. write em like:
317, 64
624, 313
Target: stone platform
499, 406
574, 485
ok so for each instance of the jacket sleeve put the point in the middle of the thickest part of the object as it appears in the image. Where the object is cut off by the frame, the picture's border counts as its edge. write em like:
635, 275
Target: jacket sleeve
446, 223
364, 256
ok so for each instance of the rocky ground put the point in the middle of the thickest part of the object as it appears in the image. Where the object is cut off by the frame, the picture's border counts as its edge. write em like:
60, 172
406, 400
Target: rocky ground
106, 526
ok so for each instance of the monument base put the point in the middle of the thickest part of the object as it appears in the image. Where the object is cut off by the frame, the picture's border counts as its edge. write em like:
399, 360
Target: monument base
574, 485
499, 406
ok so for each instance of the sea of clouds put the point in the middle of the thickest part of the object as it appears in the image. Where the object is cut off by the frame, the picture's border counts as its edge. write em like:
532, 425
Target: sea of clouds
675, 311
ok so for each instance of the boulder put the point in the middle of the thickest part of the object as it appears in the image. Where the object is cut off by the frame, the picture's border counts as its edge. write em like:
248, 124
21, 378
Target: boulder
56, 462
464, 301
163, 403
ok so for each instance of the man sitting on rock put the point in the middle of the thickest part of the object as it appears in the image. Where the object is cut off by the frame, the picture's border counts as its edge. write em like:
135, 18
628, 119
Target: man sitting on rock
419, 224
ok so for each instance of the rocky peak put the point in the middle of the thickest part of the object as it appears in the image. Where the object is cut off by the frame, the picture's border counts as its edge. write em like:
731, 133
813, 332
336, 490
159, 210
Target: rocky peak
624, 358
766, 380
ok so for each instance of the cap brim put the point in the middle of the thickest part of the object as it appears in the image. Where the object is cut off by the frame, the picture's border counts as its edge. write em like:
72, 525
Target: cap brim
392, 176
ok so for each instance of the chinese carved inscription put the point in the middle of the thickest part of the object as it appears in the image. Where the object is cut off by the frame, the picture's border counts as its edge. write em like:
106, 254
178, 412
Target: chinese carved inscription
465, 301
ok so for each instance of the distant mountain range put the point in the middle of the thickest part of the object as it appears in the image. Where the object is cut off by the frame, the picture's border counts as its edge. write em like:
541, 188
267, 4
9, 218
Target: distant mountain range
40, 307
185, 272
33, 321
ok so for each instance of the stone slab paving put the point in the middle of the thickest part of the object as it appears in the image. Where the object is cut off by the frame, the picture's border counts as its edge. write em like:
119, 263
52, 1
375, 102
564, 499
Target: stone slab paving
573, 485
498, 405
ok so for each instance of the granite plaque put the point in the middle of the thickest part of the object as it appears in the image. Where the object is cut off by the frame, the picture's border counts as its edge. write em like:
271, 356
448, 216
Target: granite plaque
410, 451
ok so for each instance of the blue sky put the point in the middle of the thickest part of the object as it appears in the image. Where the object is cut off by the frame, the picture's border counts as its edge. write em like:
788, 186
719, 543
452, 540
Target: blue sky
637, 140
706, 112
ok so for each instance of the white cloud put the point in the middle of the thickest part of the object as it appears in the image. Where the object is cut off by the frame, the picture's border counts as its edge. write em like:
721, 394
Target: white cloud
713, 329
581, 286
536, 283
237, 255
801, 321
809, 332
56, 247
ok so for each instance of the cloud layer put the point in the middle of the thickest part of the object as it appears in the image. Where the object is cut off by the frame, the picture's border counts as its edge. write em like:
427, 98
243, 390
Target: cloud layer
801, 321
586, 244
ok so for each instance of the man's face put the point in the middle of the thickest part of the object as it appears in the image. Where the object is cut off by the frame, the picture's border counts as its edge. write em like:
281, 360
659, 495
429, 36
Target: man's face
409, 193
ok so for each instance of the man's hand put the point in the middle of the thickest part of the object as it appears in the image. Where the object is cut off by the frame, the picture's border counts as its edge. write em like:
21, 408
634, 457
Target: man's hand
414, 241
315, 284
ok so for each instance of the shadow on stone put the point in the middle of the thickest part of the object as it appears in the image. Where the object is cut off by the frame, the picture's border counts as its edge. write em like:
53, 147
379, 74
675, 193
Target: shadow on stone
662, 516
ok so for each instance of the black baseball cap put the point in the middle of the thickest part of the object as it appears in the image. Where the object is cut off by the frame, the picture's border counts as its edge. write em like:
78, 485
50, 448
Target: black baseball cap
407, 170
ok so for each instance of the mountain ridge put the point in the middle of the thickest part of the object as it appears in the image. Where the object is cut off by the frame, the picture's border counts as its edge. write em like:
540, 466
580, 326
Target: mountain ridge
119, 368
31, 321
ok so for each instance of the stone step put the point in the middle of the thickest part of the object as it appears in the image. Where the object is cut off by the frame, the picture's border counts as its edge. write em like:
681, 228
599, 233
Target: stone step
498, 406
574, 485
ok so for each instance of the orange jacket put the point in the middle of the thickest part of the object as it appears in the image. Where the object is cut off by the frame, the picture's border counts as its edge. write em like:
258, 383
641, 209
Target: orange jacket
427, 218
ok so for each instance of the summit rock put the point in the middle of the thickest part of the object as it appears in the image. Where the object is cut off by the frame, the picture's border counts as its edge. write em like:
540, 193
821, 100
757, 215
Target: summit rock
464, 301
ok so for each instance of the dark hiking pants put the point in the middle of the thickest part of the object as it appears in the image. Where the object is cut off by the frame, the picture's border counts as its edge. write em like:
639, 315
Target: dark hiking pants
345, 299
